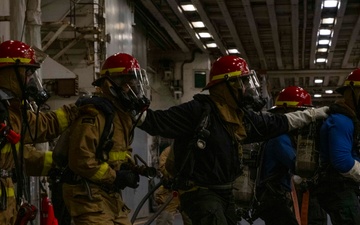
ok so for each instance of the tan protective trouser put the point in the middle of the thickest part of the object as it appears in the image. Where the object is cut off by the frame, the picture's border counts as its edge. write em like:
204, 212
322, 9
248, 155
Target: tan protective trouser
102, 209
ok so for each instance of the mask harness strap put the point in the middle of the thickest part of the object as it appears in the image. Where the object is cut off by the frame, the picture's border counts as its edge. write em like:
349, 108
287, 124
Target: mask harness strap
22, 190
20, 81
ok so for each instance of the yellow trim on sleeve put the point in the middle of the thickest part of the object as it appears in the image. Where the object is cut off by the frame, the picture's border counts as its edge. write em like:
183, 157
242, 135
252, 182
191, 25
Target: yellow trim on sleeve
10, 192
7, 148
115, 156
62, 118
47, 163
101, 172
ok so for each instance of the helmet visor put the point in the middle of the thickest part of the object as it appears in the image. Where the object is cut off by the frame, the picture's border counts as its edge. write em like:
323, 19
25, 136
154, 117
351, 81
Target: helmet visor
133, 85
249, 84
249, 91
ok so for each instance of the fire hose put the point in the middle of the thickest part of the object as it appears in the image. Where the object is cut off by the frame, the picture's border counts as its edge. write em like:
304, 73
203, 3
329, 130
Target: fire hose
157, 213
143, 200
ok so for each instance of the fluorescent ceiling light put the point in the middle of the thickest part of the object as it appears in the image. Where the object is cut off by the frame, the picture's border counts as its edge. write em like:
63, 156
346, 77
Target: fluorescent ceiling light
211, 45
330, 3
198, 24
318, 81
322, 49
329, 91
233, 51
324, 42
205, 35
320, 60
188, 7
328, 20
317, 95
324, 31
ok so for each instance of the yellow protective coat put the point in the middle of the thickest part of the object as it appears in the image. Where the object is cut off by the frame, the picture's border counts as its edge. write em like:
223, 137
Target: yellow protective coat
50, 125
104, 208
167, 216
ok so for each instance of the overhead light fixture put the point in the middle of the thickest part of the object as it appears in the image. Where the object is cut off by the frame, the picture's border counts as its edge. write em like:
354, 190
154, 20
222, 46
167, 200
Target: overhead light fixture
188, 7
324, 42
204, 34
327, 20
317, 95
320, 60
233, 51
329, 91
324, 32
318, 81
198, 24
330, 3
322, 49
211, 45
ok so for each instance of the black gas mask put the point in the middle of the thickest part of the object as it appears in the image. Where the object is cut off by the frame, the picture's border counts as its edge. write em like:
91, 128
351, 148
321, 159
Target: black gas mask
31, 86
245, 91
34, 91
129, 91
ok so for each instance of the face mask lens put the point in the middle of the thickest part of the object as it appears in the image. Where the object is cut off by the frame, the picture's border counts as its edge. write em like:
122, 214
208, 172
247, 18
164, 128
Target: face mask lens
251, 85
127, 83
34, 88
29, 71
144, 79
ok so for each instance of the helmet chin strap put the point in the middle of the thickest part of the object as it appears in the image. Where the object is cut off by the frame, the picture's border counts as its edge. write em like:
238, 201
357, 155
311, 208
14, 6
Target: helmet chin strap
20, 81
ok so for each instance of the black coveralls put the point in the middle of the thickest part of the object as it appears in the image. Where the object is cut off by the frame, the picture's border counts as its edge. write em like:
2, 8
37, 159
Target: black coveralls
210, 200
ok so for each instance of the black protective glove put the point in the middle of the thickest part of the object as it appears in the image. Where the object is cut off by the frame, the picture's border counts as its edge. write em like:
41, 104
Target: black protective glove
126, 178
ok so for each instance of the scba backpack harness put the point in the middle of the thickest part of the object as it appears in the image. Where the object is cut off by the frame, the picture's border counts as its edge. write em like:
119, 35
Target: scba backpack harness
60, 151
184, 170
26, 211
62, 173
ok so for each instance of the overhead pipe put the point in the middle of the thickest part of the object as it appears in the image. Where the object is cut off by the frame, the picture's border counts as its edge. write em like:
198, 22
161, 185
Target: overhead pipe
188, 61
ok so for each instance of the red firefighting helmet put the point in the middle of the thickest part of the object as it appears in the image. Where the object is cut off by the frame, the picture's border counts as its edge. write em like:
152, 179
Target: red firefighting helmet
120, 63
293, 97
353, 79
128, 82
12, 52
227, 67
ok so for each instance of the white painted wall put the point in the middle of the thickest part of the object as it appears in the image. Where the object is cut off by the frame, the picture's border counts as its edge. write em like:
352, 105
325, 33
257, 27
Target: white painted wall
201, 63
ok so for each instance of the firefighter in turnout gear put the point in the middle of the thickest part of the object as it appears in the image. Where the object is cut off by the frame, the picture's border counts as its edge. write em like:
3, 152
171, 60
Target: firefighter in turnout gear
20, 127
339, 177
162, 194
208, 133
92, 190
277, 165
